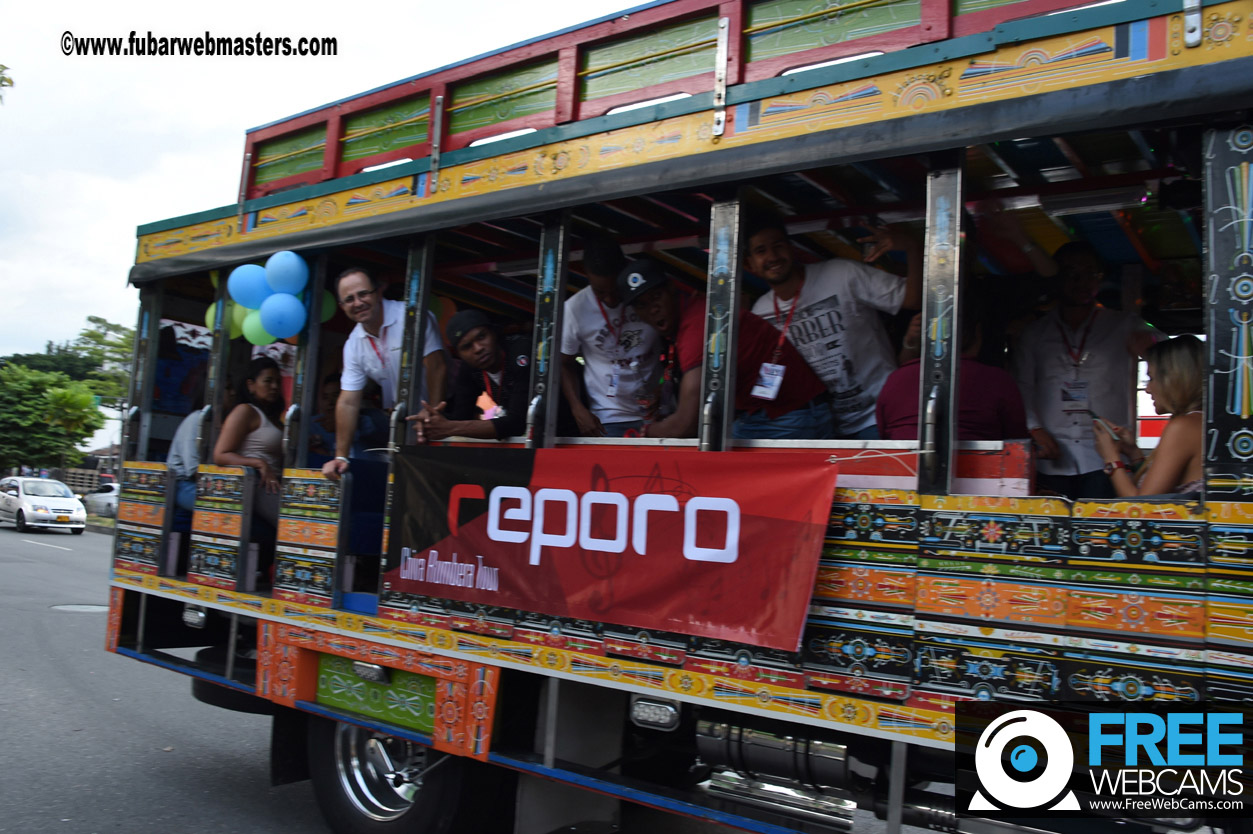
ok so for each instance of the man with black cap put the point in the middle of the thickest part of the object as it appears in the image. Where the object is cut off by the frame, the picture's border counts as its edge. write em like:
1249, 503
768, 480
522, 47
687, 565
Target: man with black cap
499, 368
777, 396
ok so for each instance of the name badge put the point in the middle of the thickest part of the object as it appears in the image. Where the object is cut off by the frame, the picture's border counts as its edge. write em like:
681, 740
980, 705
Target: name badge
1075, 397
769, 381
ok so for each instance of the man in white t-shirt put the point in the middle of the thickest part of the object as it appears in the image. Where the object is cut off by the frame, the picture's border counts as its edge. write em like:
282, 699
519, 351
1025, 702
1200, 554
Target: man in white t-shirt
373, 351
621, 367
830, 312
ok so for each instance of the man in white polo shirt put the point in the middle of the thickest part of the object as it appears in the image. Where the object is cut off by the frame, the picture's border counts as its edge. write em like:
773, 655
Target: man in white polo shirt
373, 351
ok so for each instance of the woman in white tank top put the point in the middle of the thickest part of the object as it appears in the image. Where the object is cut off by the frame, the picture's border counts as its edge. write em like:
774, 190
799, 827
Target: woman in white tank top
251, 434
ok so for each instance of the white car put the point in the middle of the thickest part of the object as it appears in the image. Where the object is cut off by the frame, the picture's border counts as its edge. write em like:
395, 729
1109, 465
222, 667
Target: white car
40, 502
103, 502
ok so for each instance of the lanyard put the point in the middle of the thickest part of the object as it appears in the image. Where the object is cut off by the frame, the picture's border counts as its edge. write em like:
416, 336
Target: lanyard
377, 353
617, 334
796, 302
1076, 354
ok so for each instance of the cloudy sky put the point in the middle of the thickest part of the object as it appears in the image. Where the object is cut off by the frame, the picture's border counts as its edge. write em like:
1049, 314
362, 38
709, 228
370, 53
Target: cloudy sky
91, 147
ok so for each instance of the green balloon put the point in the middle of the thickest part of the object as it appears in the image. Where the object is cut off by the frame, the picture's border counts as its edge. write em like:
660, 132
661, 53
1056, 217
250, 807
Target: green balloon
211, 315
254, 332
238, 314
328, 306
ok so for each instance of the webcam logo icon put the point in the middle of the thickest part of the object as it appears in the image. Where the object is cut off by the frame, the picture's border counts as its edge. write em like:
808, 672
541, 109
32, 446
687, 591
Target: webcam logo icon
1023, 761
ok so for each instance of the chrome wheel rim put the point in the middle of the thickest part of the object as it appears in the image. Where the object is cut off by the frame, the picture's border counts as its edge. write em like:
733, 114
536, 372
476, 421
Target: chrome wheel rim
381, 775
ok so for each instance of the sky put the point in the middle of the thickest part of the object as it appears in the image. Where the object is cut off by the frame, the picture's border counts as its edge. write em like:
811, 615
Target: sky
93, 146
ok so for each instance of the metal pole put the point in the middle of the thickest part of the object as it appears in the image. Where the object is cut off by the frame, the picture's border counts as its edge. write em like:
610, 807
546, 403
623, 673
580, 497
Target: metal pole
941, 337
721, 326
550, 296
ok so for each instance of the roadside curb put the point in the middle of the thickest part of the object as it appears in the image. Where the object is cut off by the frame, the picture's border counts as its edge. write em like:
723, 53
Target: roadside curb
99, 528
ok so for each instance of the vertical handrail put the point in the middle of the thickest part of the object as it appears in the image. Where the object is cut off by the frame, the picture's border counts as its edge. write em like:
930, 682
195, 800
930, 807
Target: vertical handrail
941, 336
550, 296
721, 324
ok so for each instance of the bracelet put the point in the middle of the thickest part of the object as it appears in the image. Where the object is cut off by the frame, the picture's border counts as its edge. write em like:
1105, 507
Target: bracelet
1113, 466
341, 457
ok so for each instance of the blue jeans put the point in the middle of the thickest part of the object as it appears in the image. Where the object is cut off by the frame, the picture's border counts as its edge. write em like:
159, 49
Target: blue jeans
870, 432
809, 422
185, 494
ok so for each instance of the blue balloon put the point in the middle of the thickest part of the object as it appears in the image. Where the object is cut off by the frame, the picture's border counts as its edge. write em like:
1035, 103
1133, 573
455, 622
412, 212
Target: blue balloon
282, 315
247, 286
286, 272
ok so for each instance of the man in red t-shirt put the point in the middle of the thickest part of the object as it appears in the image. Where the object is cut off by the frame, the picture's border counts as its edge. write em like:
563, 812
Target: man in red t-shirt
989, 406
777, 396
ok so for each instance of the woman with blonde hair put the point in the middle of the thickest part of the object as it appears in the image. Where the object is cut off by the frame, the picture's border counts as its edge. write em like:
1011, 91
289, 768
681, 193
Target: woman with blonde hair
1176, 377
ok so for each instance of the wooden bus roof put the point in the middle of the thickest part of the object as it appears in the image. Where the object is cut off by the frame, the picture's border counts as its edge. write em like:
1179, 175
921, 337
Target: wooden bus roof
1112, 68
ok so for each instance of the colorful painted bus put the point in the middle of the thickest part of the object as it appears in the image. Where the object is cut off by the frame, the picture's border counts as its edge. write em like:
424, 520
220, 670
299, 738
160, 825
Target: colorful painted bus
476, 619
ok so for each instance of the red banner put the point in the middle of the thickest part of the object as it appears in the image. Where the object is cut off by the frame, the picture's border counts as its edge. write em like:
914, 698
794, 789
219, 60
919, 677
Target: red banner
724, 546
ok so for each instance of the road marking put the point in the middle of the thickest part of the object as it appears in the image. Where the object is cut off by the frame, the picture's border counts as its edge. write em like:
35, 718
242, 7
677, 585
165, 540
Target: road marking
45, 544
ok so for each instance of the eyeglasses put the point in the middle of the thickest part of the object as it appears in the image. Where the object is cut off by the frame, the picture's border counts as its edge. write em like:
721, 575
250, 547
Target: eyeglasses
349, 300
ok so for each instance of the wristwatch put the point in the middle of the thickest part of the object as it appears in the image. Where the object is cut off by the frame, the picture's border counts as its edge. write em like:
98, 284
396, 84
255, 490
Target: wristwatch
1113, 466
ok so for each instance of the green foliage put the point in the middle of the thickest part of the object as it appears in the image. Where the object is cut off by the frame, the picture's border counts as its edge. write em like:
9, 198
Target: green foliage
110, 347
43, 417
5, 80
100, 357
58, 359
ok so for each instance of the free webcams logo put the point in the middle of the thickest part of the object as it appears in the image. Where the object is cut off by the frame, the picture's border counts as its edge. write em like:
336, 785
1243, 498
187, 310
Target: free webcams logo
1024, 761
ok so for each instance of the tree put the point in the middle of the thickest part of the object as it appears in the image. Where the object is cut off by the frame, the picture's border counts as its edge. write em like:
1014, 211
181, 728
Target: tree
5, 81
73, 410
100, 356
43, 417
58, 359
110, 347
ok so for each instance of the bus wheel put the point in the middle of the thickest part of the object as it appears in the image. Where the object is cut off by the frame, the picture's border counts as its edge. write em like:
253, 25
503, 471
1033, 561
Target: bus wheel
369, 783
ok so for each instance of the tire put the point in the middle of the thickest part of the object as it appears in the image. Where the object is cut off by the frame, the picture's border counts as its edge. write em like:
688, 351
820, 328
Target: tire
20, 522
437, 794
78, 531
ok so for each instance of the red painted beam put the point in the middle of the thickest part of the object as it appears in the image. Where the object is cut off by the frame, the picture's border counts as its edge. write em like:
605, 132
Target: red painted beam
567, 109
936, 20
734, 11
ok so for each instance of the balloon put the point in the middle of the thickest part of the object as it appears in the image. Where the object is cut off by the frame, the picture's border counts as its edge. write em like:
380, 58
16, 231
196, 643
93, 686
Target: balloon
286, 272
254, 331
211, 315
238, 313
213, 278
328, 306
247, 285
282, 314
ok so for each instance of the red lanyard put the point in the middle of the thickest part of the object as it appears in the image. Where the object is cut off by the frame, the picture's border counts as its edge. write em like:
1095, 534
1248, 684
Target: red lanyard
617, 334
1076, 354
383, 361
796, 302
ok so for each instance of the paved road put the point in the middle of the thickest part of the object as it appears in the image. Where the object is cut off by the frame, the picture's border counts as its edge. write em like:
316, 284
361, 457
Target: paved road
93, 742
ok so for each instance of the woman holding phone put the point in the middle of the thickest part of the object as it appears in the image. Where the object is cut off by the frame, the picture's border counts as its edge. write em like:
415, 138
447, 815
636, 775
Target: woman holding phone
1176, 374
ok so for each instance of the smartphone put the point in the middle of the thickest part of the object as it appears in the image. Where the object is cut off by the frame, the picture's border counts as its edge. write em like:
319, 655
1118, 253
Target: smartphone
1103, 424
